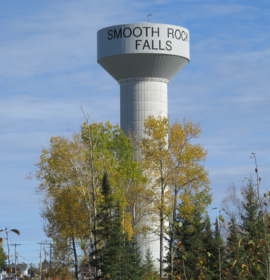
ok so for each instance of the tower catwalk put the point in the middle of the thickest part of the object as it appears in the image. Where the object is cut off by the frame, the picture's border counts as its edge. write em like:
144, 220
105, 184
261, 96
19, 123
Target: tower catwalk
143, 58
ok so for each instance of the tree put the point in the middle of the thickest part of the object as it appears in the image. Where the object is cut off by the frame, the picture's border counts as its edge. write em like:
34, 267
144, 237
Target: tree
234, 251
136, 270
156, 160
251, 258
186, 172
120, 257
251, 208
66, 219
232, 203
62, 262
218, 251
173, 167
105, 223
251, 228
79, 163
108, 150
149, 269
191, 259
3, 257
208, 240
84, 177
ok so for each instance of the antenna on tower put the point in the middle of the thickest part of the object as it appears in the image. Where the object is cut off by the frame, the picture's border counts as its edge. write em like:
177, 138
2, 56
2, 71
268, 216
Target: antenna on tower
148, 16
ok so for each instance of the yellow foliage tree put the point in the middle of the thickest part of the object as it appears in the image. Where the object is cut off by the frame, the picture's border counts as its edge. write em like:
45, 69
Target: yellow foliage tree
79, 163
173, 165
67, 220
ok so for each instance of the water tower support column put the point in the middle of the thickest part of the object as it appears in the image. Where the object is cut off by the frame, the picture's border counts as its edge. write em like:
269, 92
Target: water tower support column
139, 98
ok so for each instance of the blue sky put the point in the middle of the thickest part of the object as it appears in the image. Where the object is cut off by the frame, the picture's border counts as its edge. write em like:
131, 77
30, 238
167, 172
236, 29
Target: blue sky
48, 70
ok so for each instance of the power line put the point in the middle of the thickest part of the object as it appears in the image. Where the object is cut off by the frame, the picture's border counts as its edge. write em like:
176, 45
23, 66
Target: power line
27, 244
28, 259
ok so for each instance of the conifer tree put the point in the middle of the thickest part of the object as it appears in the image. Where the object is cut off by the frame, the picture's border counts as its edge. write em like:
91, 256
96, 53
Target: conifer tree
105, 210
149, 270
120, 257
114, 251
104, 223
251, 227
209, 245
191, 254
218, 252
248, 241
134, 259
250, 214
234, 251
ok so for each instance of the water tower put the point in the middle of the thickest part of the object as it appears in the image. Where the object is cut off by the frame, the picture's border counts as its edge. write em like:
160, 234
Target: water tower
143, 58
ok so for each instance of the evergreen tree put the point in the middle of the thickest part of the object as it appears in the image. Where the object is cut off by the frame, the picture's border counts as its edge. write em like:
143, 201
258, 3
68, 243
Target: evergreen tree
114, 251
104, 224
149, 270
117, 257
234, 251
251, 227
252, 231
106, 209
250, 214
218, 253
191, 255
134, 260
121, 259
209, 245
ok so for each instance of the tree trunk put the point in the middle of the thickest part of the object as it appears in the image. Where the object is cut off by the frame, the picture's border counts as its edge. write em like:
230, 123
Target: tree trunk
75, 257
161, 222
94, 206
173, 234
219, 263
161, 243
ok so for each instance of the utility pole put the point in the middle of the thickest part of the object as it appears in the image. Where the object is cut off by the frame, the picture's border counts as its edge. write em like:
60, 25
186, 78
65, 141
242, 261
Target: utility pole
40, 265
15, 258
45, 251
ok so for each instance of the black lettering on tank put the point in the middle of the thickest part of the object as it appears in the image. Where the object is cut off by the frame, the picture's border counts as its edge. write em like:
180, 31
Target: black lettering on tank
125, 34
177, 34
160, 46
146, 30
137, 43
140, 32
187, 37
184, 36
153, 32
146, 45
170, 32
169, 45
153, 45
119, 35
110, 34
